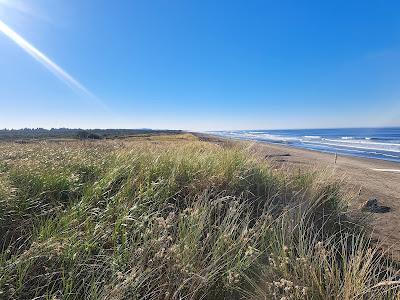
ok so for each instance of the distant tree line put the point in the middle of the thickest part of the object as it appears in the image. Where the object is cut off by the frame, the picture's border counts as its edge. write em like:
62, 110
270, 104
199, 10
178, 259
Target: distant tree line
86, 135
95, 134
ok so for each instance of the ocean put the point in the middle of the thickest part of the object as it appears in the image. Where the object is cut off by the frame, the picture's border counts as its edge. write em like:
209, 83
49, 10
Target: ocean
377, 143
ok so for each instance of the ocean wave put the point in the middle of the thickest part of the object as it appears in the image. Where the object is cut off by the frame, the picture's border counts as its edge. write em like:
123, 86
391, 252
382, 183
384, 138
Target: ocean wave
384, 146
364, 146
270, 137
365, 142
318, 140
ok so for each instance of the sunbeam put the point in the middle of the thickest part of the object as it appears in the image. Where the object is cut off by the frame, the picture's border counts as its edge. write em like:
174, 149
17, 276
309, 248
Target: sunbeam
48, 63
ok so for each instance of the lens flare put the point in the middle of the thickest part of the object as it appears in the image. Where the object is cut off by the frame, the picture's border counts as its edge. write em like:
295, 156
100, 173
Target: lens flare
48, 63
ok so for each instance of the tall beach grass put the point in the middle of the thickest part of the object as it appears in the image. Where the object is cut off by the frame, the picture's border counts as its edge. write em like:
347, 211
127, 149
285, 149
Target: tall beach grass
176, 218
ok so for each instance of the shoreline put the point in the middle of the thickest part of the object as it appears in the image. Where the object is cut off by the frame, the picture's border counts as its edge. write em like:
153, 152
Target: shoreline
331, 145
366, 177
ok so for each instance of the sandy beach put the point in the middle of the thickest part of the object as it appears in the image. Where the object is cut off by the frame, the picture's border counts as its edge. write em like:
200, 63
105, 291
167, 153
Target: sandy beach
370, 178
367, 178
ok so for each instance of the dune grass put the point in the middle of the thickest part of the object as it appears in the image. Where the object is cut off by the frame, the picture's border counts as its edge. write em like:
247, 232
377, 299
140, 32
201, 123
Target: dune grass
175, 218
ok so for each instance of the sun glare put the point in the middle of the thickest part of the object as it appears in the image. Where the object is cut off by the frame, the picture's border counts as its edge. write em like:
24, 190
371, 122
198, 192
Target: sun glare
47, 62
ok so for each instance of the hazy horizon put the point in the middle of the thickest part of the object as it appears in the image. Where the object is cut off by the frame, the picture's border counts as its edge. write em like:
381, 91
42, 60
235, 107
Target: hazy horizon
155, 129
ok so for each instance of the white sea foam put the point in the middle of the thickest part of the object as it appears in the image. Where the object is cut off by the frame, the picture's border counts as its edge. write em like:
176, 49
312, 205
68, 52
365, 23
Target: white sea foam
387, 170
269, 137
345, 144
362, 145
366, 142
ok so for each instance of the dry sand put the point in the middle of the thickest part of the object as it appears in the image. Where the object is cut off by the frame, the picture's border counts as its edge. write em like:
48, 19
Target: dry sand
368, 178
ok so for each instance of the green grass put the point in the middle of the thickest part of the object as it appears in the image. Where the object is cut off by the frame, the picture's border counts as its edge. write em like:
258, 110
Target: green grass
175, 218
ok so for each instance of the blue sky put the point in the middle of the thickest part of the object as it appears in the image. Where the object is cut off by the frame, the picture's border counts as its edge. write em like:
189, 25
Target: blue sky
200, 65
